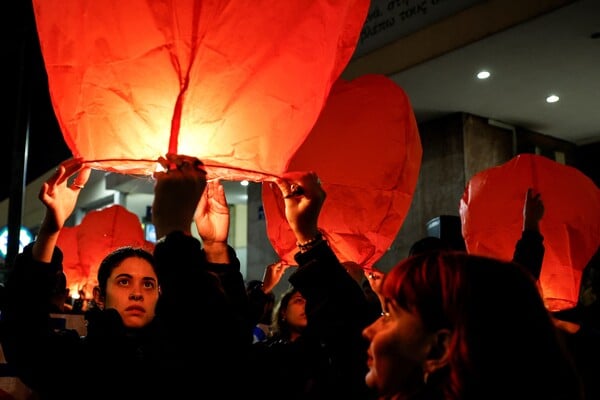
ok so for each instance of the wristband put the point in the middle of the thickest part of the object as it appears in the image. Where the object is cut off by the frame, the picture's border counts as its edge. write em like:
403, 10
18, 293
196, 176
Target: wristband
309, 244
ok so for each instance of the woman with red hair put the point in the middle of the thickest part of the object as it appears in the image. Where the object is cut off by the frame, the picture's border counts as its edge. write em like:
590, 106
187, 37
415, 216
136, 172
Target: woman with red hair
459, 326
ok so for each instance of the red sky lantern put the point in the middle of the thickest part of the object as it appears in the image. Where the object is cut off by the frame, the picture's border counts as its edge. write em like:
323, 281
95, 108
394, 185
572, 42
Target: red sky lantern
366, 149
238, 84
100, 232
491, 211
77, 275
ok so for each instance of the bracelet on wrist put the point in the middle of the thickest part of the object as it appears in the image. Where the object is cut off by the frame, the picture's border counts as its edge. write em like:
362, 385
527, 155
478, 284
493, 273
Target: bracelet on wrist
310, 243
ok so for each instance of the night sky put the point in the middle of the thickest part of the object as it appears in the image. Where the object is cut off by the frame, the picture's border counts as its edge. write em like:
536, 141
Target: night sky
25, 87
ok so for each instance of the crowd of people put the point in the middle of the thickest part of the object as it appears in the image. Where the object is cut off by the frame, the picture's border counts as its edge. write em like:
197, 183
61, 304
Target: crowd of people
181, 321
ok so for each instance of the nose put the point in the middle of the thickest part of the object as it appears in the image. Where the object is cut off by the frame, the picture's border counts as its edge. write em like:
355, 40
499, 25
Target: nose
135, 296
368, 331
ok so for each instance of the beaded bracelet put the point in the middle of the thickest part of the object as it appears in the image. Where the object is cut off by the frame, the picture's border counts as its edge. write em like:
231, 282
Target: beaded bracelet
309, 244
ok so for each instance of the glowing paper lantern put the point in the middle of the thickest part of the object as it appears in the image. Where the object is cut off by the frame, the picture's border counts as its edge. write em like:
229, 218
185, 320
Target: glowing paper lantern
491, 211
238, 84
100, 232
77, 275
366, 149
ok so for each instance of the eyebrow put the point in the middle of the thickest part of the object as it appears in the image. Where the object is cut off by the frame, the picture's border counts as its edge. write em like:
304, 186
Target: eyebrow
145, 278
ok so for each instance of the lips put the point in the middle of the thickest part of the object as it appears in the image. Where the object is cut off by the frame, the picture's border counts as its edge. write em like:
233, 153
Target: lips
369, 360
135, 309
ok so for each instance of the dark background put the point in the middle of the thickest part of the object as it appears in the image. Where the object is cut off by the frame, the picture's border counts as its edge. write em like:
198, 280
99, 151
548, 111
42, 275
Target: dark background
26, 107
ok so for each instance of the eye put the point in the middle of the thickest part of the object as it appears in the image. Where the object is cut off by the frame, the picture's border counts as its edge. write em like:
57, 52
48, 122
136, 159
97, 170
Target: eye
149, 285
123, 282
299, 300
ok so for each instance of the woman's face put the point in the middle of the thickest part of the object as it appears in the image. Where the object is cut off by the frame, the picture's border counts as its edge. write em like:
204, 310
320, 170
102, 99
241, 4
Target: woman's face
398, 346
132, 290
295, 314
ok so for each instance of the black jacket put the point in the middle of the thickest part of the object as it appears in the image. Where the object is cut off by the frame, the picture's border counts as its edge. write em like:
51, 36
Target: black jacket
329, 360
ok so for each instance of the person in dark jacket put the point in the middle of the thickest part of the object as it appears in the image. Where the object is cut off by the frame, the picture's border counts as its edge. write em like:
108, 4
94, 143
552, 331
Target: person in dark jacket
262, 299
181, 326
328, 359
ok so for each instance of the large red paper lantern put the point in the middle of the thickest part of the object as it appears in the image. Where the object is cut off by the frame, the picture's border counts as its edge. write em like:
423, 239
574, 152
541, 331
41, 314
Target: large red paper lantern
100, 232
491, 211
366, 150
238, 84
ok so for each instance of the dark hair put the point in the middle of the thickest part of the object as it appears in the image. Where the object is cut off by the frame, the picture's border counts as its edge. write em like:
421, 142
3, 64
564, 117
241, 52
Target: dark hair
504, 343
60, 284
428, 243
115, 258
280, 326
254, 284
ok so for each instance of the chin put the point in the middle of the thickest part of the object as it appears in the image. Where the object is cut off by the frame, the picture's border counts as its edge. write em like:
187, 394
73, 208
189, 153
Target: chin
135, 323
370, 379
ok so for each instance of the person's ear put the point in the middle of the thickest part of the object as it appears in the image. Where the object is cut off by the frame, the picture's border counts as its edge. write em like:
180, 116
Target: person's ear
98, 298
438, 355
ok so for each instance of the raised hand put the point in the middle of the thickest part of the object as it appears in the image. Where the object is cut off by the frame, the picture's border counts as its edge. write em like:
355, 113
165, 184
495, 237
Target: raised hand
59, 196
304, 197
212, 214
273, 274
375, 278
177, 191
533, 210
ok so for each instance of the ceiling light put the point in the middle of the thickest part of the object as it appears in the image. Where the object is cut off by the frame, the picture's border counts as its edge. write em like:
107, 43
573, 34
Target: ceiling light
244, 183
483, 74
552, 98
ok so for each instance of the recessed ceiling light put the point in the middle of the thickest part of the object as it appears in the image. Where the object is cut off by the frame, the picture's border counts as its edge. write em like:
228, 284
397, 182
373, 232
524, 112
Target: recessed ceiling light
244, 183
483, 74
552, 98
